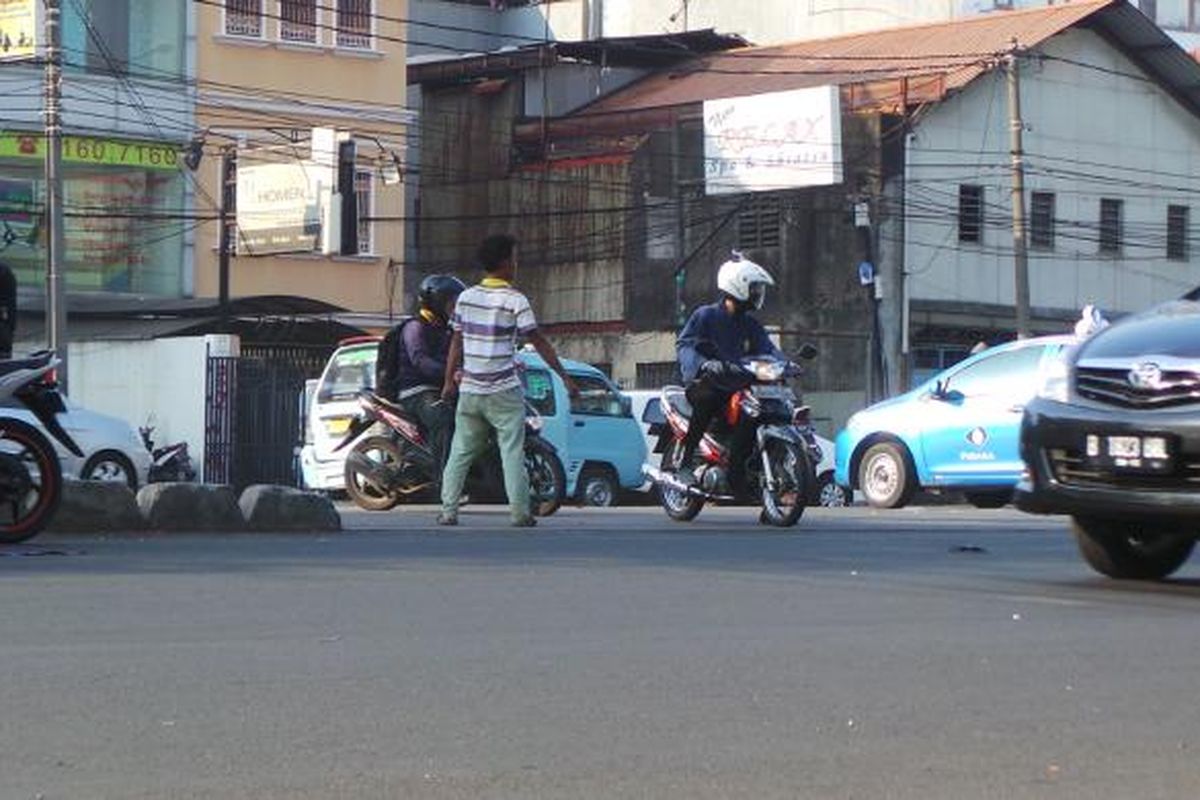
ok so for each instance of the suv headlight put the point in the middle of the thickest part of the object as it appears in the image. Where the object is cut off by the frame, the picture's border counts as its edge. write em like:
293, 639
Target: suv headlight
1056, 383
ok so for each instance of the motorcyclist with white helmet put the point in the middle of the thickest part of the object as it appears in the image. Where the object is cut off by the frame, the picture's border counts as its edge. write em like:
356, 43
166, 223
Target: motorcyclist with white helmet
713, 343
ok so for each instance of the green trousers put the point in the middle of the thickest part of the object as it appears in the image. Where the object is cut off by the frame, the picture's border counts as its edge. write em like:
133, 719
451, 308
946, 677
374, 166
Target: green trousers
476, 416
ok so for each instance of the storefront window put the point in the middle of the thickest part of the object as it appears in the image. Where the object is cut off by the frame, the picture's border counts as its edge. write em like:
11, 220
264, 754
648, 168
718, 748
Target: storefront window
123, 204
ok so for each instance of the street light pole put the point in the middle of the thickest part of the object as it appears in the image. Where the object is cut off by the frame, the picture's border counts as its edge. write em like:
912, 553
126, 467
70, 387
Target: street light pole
56, 301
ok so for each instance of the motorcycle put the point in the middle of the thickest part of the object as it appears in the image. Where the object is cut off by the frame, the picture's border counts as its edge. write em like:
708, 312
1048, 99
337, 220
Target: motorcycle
170, 463
31, 480
762, 425
381, 471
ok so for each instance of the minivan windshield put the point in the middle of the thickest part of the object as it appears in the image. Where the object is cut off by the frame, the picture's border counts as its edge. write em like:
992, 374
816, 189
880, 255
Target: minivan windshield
351, 370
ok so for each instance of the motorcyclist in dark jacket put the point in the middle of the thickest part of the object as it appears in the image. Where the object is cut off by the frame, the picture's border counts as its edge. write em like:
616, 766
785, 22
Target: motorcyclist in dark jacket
712, 345
422, 361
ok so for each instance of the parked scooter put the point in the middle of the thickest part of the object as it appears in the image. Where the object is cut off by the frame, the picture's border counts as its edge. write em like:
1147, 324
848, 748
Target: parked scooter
31, 478
775, 438
170, 463
381, 471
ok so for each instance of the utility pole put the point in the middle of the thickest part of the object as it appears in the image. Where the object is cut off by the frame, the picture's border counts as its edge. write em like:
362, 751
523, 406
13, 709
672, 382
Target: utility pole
225, 243
1016, 129
56, 300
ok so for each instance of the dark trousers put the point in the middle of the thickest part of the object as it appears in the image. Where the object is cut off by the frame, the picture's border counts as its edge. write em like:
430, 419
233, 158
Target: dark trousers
708, 394
437, 420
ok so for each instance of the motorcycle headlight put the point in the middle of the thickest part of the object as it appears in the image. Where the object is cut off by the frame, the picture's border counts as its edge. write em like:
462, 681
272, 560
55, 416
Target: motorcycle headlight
1056, 382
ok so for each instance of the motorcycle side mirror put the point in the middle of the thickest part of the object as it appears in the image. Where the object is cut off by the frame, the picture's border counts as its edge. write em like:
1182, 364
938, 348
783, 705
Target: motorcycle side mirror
808, 351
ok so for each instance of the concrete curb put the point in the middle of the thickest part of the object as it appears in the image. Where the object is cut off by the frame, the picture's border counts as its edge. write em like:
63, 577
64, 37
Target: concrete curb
96, 506
267, 507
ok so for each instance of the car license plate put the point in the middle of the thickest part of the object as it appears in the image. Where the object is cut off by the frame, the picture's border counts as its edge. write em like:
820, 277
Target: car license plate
336, 426
1151, 453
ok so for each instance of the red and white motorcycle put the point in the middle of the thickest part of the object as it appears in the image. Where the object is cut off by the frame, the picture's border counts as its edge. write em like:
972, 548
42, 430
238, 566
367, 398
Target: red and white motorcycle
763, 427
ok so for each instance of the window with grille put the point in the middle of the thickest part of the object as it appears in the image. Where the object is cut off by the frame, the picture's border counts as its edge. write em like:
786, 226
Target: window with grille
364, 189
243, 18
354, 23
1177, 233
758, 223
970, 213
1111, 233
298, 21
1041, 220
653, 374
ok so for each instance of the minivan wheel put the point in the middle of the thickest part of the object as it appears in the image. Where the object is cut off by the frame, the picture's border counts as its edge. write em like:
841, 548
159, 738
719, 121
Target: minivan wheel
829, 494
597, 487
1134, 550
884, 476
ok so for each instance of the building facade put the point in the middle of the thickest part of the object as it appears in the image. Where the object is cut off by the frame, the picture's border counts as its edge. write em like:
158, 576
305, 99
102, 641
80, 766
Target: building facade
268, 73
623, 239
127, 68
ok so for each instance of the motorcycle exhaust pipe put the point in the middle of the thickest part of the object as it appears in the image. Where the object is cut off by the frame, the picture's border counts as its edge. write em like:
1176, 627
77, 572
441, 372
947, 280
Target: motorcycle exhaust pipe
661, 478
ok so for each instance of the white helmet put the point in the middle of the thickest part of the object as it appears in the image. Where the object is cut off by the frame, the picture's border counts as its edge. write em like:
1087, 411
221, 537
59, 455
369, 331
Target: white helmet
744, 281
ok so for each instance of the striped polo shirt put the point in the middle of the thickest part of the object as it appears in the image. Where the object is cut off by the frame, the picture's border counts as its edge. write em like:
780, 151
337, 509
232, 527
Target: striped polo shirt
491, 317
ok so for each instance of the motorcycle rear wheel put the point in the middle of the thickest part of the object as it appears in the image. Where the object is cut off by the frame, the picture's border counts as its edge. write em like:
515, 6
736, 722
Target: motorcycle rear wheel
680, 506
30, 481
366, 495
547, 480
784, 502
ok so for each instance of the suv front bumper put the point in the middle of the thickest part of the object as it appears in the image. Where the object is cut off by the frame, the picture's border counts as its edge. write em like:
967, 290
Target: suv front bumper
1060, 480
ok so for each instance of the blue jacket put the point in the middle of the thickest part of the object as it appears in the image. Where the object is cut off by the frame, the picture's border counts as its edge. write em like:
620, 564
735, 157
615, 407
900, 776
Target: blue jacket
712, 333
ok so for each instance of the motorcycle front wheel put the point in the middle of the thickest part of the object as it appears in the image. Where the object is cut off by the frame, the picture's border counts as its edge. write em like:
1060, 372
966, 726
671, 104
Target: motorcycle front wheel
785, 494
30, 481
547, 480
382, 452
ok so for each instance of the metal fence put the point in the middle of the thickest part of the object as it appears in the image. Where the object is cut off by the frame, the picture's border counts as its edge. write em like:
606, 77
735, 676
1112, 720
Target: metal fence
254, 415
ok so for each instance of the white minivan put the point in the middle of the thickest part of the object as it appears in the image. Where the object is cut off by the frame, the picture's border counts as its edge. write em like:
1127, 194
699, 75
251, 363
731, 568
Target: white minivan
331, 408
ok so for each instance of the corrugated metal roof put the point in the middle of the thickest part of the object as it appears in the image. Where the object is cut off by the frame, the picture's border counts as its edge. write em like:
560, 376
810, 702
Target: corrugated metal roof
944, 55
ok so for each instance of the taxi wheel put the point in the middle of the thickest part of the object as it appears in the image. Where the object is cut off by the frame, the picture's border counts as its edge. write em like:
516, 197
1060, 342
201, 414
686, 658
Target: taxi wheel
1129, 549
885, 476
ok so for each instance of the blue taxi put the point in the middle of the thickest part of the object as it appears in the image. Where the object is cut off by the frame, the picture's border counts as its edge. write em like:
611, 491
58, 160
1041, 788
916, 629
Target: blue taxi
960, 430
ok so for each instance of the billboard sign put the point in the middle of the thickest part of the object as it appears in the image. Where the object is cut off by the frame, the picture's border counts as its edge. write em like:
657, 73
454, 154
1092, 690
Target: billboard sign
779, 140
18, 29
278, 208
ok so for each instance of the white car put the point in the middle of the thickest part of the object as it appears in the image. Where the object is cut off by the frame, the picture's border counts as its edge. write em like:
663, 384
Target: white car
645, 405
112, 449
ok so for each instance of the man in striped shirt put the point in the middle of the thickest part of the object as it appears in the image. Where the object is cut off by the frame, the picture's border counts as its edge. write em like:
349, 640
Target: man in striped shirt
488, 321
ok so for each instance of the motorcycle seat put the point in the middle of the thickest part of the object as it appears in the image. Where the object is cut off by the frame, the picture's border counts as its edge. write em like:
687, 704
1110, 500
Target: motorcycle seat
394, 407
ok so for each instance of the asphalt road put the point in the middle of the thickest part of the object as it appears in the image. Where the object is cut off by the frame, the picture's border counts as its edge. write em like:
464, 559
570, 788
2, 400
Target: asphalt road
927, 653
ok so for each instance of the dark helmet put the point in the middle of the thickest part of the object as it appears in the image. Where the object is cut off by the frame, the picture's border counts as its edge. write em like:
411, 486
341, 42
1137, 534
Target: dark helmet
436, 292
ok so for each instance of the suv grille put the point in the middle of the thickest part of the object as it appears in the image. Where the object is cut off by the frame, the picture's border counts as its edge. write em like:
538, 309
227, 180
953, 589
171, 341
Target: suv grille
1071, 469
1112, 387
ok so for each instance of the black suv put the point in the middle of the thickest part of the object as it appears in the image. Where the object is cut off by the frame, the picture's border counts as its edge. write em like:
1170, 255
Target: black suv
1113, 439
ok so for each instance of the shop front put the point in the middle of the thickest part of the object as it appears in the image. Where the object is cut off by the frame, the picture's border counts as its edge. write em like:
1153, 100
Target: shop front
125, 214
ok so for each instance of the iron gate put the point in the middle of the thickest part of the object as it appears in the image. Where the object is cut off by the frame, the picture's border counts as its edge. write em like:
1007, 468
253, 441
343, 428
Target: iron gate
254, 412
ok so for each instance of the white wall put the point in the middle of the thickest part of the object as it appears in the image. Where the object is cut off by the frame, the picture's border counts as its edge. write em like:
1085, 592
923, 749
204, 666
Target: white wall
161, 381
1089, 135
